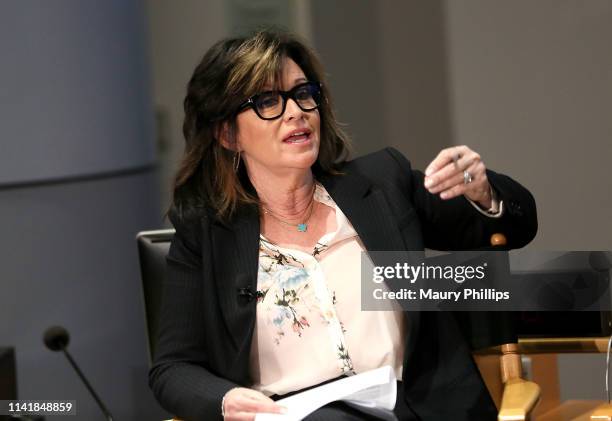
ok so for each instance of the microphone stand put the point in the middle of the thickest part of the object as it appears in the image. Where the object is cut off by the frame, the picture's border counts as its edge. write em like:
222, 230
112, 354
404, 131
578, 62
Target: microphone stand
106, 412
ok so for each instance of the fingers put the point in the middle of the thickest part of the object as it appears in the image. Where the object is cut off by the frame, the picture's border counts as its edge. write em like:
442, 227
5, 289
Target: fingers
447, 168
241, 404
445, 175
445, 157
449, 175
459, 187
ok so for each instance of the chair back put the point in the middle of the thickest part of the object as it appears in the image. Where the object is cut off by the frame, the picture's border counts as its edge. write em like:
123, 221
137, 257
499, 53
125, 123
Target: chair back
153, 248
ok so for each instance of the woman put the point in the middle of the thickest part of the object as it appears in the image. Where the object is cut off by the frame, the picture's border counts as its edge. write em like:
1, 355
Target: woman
262, 295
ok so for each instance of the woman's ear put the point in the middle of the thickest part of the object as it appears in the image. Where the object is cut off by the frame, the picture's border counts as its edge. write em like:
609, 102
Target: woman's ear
222, 135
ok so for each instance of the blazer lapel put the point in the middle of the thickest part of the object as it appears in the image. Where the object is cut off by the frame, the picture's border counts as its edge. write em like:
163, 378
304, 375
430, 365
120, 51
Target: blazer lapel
367, 209
236, 254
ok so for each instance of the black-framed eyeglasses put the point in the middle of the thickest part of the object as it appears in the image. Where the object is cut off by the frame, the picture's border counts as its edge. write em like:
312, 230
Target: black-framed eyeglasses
270, 105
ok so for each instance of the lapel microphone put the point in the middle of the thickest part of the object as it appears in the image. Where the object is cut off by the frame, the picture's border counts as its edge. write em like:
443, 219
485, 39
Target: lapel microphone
56, 338
245, 292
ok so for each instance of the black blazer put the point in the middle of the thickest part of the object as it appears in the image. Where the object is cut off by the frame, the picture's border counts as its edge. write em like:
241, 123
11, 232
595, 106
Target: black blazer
207, 318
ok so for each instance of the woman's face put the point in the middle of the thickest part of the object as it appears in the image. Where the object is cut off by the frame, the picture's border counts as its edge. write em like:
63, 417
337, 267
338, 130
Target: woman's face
272, 145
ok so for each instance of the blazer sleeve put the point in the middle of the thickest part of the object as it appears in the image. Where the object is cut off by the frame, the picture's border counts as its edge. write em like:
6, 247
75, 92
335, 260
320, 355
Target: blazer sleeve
454, 224
179, 376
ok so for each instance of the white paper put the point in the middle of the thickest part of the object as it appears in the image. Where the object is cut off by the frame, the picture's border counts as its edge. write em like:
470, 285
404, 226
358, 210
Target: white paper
373, 392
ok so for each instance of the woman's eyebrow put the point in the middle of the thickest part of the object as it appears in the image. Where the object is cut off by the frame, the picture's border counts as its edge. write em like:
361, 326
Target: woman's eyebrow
269, 86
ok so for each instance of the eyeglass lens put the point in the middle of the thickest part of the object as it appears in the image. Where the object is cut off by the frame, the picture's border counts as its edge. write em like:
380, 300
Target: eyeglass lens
272, 104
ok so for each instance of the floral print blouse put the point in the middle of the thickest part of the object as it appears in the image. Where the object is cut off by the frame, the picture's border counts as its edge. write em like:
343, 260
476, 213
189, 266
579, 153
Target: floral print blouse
310, 327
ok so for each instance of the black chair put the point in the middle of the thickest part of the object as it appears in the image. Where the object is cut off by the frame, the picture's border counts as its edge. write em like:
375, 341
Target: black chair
152, 250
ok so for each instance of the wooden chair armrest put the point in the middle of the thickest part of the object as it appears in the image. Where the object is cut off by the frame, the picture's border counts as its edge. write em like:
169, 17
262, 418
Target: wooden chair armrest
518, 400
602, 413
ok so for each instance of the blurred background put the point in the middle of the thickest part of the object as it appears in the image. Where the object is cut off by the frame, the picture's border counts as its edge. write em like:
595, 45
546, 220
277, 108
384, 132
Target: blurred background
91, 111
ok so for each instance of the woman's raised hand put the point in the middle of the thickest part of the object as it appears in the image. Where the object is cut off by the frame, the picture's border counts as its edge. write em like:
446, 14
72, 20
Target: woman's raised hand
459, 171
241, 404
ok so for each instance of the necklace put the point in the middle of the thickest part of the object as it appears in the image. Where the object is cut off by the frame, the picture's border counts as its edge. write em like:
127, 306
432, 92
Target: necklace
303, 227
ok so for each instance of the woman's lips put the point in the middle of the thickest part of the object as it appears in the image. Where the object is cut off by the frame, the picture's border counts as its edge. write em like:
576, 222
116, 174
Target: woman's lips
298, 137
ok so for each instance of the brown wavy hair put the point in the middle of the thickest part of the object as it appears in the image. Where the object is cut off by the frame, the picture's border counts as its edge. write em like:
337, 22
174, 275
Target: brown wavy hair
230, 72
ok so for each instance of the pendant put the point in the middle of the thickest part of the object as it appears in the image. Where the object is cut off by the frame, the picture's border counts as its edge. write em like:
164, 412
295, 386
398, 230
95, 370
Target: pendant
302, 227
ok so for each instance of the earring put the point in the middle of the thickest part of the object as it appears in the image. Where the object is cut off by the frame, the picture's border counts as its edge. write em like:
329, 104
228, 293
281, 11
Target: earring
236, 162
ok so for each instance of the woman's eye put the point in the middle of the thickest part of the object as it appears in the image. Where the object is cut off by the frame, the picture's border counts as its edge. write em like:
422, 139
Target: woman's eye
303, 93
268, 101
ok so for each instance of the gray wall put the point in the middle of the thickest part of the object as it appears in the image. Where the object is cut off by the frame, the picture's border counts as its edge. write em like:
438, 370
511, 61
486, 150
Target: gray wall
525, 83
179, 37
77, 182
65, 64
348, 45
531, 89
69, 258
414, 58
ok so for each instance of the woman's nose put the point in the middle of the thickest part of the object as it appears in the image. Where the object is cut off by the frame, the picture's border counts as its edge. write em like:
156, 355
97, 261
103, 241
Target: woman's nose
292, 110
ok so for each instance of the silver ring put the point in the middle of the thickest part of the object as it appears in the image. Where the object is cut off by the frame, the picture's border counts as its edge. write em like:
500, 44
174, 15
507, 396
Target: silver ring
467, 177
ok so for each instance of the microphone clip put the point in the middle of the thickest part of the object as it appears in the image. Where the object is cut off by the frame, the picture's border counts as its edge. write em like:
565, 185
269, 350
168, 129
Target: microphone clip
246, 293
